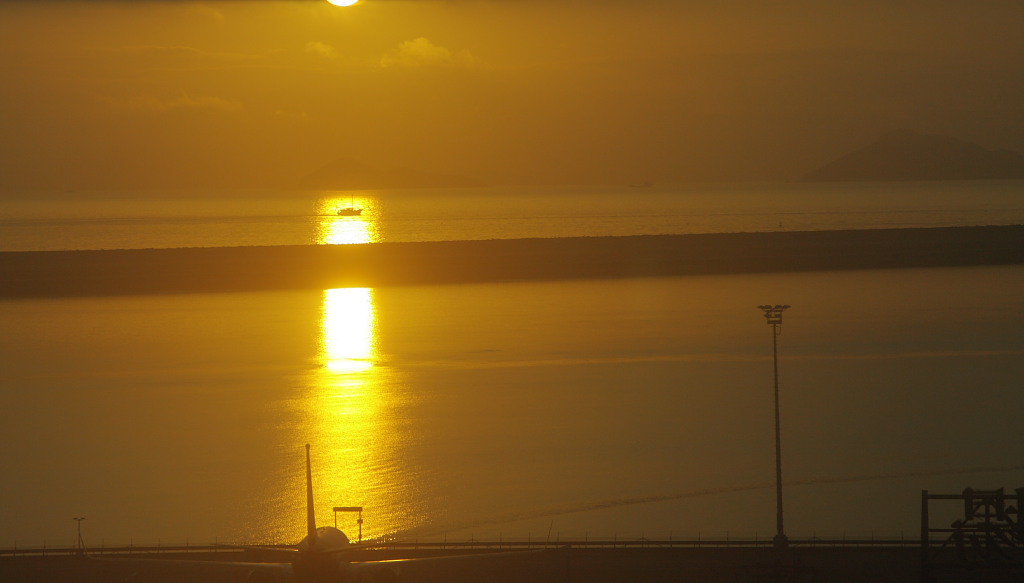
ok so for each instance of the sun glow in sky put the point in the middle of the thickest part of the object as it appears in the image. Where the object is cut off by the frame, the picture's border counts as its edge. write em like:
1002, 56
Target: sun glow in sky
343, 2
263, 94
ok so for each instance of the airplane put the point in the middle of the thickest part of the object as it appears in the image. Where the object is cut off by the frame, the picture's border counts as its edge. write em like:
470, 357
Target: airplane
320, 557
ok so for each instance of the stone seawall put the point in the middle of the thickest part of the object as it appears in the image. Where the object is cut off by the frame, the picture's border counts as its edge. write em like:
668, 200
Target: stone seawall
226, 269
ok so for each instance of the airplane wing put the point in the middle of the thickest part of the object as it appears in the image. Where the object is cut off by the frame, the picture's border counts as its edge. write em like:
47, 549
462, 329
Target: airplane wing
140, 570
538, 566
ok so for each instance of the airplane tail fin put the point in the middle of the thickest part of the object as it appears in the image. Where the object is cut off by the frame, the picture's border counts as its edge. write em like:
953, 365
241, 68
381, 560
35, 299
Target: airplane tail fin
310, 512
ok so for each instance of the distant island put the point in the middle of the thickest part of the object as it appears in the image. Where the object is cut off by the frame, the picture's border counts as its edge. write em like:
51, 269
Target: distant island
903, 155
350, 174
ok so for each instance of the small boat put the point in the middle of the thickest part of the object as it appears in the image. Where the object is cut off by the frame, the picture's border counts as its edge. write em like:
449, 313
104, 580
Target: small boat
351, 210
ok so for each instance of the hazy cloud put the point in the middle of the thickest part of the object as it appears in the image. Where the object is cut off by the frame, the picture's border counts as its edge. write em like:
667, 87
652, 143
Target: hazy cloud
293, 116
181, 103
170, 56
321, 49
657, 90
155, 51
423, 53
206, 10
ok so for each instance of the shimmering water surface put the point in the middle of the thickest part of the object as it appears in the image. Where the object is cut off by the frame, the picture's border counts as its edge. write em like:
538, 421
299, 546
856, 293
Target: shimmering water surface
624, 408
125, 220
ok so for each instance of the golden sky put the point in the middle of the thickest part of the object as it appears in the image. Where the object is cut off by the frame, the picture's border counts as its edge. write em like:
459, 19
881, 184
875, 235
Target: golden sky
237, 93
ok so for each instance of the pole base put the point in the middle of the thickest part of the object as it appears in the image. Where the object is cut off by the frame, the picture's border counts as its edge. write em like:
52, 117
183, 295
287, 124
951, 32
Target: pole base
780, 541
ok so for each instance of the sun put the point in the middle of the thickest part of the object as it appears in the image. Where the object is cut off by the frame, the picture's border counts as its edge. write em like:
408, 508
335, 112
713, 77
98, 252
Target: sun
343, 2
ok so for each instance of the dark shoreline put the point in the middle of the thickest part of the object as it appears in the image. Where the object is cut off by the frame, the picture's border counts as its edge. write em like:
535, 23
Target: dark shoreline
33, 274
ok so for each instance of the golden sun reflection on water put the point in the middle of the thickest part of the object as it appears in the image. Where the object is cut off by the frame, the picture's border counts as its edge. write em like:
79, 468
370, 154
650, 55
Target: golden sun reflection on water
345, 411
341, 412
346, 407
332, 229
347, 330
348, 421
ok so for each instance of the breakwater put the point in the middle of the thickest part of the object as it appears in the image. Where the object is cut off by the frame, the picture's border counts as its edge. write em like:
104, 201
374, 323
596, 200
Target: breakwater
226, 269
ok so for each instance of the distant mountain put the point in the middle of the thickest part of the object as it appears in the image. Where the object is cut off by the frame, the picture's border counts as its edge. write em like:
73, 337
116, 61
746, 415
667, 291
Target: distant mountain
349, 174
908, 155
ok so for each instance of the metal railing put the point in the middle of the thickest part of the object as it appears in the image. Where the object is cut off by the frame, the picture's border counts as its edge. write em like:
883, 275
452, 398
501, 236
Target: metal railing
641, 543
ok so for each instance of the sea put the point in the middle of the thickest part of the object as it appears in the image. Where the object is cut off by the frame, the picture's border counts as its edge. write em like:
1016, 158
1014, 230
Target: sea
621, 409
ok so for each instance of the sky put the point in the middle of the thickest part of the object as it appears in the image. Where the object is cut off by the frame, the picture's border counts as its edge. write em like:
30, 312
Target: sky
232, 93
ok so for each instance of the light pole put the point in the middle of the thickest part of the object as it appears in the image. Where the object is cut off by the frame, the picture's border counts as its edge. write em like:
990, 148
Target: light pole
773, 314
79, 546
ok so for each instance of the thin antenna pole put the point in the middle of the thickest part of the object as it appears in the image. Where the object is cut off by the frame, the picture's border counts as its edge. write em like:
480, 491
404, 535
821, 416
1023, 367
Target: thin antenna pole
310, 511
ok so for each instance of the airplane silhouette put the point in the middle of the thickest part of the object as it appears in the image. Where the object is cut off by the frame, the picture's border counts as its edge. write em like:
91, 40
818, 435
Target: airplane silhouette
320, 557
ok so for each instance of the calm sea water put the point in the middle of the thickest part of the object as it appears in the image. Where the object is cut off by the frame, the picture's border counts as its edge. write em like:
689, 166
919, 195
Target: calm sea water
621, 408
125, 220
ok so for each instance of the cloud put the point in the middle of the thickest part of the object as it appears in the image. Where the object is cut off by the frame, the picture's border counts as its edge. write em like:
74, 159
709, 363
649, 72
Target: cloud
160, 51
207, 11
423, 53
183, 102
315, 47
293, 116
177, 56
